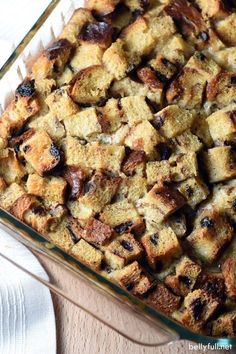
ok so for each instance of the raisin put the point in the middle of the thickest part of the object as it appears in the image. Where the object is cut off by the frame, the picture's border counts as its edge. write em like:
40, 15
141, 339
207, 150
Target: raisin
185, 280
208, 223
127, 245
26, 88
129, 286
189, 191
233, 80
158, 122
122, 228
164, 80
234, 205
204, 36
38, 210
26, 148
165, 151
197, 307
54, 151
154, 239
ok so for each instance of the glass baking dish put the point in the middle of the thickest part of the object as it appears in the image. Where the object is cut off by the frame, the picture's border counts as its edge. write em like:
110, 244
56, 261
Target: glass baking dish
130, 316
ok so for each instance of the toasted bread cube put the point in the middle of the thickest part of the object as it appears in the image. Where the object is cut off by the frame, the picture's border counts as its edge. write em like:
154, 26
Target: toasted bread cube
183, 166
229, 273
163, 67
162, 299
75, 153
226, 58
139, 38
102, 7
222, 123
10, 195
99, 191
84, 124
221, 89
185, 277
134, 163
90, 85
51, 125
177, 222
51, 189
177, 50
225, 325
110, 116
187, 142
64, 235
209, 238
60, 104
96, 32
86, 55
113, 261
143, 137
132, 188
52, 61
215, 9
119, 213
26, 102
160, 202
10, 168
135, 109
194, 190
213, 284
220, 163
226, 29
80, 211
161, 248
116, 59
172, 121
87, 254
125, 246
135, 5
162, 28
40, 152
158, 171
73, 27
133, 279
105, 157
197, 309
97, 232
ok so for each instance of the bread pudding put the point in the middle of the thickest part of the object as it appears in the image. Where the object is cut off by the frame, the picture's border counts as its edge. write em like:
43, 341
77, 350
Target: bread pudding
120, 149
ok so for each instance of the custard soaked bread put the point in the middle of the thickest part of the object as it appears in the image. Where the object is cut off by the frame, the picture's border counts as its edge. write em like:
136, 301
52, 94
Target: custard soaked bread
120, 148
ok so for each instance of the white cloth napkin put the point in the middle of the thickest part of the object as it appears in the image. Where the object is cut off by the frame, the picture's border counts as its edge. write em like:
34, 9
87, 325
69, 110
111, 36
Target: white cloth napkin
27, 321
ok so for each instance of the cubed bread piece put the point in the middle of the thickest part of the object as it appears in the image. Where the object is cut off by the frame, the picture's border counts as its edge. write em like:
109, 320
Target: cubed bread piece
153, 80
186, 142
212, 233
178, 224
177, 50
222, 123
86, 55
61, 104
75, 153
229, 273
96, 32
214, 9
125, 246
110, 116
133, 279
116, 59
183, 166
99, 191
185, 277
51, 189
73, 27
10, 195
66, 234
106, 157
139, 38
119, 213
194, 190
10, 167
213, 284
90, 85
135, 109
172, 121
112, 262
132, 188
84, 124
220, 163
97, 232
197, 309
75, 177
41, 153
161, 248
87, 254
226, 58
102, 7
26, 102
164, 69
158, 171
52, 61
143, 137
160, 202
226, 29
80, 211
162, 28
162, 299
134, 163
225, 325
50, 124
221, 89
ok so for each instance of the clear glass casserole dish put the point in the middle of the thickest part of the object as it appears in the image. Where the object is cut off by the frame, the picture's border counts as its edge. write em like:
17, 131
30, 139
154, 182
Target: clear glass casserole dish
134, 320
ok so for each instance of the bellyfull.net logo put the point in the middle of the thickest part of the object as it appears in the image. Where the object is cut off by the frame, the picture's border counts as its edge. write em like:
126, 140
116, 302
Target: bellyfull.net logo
213, 347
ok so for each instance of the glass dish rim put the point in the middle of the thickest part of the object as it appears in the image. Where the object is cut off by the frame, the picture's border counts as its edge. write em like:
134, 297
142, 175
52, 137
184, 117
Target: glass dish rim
100, 281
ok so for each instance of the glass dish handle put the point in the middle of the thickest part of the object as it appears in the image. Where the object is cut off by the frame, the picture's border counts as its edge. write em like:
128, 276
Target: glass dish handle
108, 310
